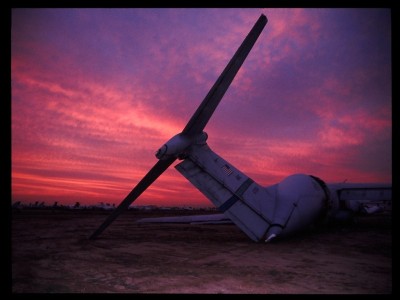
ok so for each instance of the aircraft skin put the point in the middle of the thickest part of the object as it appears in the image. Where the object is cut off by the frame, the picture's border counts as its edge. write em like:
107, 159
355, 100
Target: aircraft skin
262, 213
359, 197
345, 200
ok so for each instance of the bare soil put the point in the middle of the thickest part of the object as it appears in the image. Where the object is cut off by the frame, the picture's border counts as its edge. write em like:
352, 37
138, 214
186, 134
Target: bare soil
51, 253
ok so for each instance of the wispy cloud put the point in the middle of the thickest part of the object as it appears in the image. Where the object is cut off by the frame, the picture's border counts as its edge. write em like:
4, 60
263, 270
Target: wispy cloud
96, 92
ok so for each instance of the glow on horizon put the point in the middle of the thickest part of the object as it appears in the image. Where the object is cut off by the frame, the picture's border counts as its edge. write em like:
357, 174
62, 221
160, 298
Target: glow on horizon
95, 92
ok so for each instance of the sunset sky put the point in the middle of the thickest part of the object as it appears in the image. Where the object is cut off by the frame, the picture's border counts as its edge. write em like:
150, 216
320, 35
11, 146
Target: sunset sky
95, 92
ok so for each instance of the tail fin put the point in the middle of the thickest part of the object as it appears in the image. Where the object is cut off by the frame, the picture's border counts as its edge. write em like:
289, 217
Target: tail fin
249, 205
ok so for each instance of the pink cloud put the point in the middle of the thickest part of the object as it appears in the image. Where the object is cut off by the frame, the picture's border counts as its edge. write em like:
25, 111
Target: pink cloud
88, 113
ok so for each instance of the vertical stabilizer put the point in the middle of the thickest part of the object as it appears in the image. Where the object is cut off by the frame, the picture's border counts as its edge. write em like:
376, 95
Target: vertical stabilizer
249, 205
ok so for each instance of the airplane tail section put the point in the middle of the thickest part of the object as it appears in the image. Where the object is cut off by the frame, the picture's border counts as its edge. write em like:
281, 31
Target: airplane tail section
193, 131
249, 205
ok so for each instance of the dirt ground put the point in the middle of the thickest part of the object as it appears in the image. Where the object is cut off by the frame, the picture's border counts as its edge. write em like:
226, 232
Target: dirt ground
51, 253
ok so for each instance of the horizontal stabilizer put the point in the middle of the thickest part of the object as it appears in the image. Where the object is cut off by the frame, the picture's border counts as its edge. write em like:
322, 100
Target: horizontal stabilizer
203, 219
207, 107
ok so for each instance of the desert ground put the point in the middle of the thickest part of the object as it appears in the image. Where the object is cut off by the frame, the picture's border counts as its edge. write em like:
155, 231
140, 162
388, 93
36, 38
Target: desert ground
51, 253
